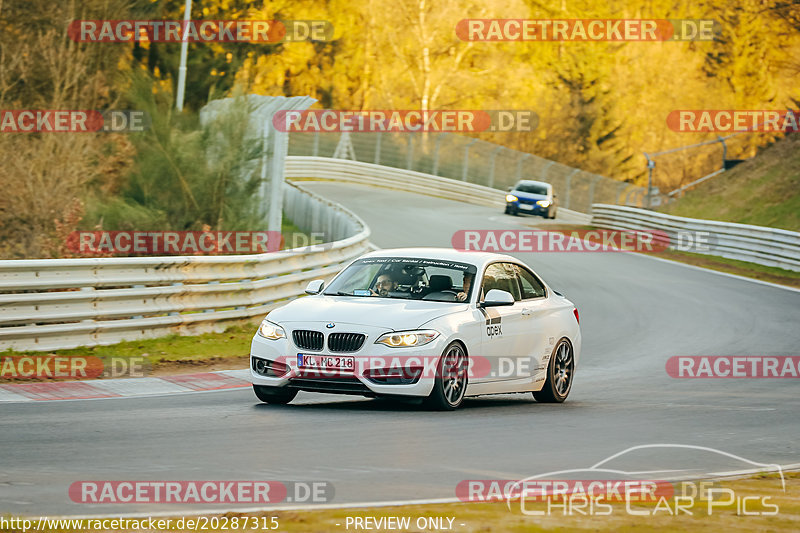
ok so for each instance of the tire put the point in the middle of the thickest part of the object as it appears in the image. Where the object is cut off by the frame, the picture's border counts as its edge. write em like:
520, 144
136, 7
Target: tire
451, 379
507, 211
559, 374
554, 214
275, 395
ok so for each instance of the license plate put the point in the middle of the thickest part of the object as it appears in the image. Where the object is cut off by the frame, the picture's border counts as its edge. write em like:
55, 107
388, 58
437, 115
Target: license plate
525, 206
332, 362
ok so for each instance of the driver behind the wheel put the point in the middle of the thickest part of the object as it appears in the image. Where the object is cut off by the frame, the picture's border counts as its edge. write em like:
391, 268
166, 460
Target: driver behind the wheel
384, 285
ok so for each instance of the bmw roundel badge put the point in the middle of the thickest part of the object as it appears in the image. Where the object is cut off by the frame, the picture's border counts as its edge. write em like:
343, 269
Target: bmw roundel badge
330, 325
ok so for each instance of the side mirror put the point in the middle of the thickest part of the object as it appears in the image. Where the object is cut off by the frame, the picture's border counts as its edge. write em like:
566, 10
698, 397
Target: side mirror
315, 286
496, 297
555, 196
509, 189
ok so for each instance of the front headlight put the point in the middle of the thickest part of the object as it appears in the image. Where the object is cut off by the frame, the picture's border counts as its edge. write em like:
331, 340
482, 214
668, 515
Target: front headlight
511, 198
402, 339
271, 331
543, 203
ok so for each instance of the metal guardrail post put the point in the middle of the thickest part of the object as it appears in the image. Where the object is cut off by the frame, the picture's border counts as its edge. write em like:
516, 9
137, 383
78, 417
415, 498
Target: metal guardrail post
591, 191
378, 148
568, 186
651, 164
315, 147
465, 166
522, 158
439, 138
409, 151
492, 157
544, 170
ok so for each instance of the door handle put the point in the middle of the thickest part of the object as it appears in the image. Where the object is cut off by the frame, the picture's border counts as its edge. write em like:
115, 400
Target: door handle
527, 312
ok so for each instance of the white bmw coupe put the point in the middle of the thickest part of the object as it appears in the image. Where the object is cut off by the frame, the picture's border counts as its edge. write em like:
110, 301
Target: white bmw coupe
432, 323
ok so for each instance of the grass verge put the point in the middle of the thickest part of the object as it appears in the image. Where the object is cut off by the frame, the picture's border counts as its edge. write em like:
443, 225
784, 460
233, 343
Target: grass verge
764, 191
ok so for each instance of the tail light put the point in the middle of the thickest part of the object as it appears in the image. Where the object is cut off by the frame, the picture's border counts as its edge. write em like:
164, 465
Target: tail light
577, 316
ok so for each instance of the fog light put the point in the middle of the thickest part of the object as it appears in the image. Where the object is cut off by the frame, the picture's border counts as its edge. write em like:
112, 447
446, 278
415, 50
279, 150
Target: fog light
273, 369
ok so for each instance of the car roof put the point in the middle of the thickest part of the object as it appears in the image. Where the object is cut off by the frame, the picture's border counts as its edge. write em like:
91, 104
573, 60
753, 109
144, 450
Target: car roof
532, 182
447, 254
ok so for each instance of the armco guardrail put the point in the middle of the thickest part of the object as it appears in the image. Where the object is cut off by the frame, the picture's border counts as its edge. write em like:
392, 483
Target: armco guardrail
756, 244
402, 180
62, 303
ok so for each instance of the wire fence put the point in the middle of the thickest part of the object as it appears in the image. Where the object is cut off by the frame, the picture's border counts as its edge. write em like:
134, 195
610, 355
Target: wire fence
675, 170
471, 160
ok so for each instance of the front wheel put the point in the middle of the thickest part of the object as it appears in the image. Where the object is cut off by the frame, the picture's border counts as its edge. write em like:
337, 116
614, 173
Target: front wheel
559, 375
451, 379
276, 395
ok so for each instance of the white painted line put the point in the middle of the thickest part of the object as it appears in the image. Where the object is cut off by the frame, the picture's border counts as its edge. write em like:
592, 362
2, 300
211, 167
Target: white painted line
720, 273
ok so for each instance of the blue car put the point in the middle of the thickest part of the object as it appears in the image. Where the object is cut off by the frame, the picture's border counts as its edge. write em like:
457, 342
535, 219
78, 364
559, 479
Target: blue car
531, 198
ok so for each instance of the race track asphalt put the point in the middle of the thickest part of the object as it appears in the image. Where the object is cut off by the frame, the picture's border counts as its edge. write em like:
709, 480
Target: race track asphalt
635, 311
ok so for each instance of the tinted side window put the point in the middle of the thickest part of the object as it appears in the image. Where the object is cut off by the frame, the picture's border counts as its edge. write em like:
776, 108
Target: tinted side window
531, 287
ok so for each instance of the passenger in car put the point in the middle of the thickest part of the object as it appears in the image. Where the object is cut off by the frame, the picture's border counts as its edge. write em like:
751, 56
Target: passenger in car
465, 286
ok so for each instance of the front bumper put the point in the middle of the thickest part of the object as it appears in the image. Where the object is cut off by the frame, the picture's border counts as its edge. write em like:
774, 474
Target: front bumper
531, 209
364, 379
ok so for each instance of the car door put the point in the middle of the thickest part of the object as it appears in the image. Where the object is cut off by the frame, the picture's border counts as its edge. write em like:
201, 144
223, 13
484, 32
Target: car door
537, 317
504, 326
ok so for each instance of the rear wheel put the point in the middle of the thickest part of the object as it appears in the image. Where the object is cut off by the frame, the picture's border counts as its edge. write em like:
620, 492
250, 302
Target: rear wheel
277, 395
559, 375
451, 379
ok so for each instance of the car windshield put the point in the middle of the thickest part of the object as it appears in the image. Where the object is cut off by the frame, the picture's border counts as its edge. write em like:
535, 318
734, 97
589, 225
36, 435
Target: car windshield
532, 188
405, 278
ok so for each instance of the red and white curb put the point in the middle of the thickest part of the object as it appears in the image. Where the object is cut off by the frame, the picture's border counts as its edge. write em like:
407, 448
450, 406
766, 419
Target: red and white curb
124, 388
